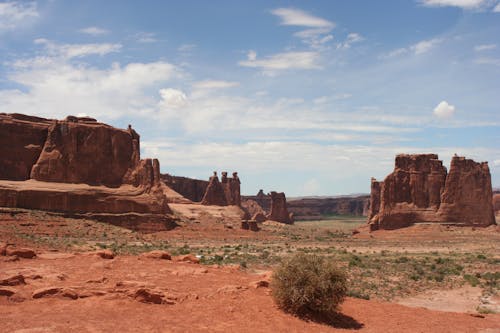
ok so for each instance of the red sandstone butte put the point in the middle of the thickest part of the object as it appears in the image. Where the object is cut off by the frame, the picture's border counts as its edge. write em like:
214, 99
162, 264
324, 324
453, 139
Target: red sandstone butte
279, 210
78, 166
222, 193
420, 190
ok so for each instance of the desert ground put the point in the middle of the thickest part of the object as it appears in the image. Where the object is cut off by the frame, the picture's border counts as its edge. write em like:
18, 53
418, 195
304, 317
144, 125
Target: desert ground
217, 279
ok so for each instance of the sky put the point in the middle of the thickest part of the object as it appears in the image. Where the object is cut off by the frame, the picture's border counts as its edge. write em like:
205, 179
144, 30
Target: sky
305, 97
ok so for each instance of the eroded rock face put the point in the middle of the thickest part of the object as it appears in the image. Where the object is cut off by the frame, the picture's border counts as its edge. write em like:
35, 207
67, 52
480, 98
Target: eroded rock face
421, 190
78, 166
467, 196
279, 211
192, 189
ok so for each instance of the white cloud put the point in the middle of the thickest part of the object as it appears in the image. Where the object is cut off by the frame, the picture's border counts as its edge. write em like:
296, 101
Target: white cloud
53, 86
424, 46
68, 51
497, 8
318, 29
297, 17
95, 31
214, 84
465, 4
173, 98
419, 48
311, 187
283, 61
15, 13
350, 39
444, 110
485, 47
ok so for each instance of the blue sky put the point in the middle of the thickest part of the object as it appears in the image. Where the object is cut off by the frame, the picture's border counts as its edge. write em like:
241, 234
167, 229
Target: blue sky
306, 97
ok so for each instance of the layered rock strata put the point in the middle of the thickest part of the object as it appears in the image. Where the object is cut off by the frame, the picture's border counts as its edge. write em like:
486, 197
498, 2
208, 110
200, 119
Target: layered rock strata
79, 166
420, 190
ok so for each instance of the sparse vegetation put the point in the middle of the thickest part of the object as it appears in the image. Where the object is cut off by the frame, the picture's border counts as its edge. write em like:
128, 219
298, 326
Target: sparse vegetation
308, 283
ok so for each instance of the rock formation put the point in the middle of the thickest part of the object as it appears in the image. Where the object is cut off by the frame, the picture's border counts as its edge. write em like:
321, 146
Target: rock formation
222, 193
279, 211
79, 166
274, 204
420, 190
192, 189
496, 203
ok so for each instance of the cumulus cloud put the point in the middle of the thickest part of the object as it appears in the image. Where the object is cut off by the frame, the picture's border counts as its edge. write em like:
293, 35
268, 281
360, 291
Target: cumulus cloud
172, 98
465, 4
94, 31
444, 110
283, 61
146, 37
53, 86
497, 8
15, 13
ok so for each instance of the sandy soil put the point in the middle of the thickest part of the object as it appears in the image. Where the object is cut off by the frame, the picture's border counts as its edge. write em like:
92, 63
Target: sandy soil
90, 294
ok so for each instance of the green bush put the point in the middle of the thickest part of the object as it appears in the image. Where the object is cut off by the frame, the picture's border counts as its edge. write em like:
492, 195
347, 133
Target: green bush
308, 284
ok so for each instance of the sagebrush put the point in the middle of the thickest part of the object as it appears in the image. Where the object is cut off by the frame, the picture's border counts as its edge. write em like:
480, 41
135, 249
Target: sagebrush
308, 284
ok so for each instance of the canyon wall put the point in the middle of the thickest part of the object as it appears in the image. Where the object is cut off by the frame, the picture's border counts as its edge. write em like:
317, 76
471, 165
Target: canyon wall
421, 190
318, 208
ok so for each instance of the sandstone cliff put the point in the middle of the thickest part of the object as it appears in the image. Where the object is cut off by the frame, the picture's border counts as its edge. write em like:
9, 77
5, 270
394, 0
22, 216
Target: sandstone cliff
420, 190
77, 166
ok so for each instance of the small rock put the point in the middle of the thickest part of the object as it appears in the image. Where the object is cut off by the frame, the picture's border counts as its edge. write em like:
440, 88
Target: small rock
187, 258
14, 280
259, 284
105, 254
21, 253
55, 291
157, 254
48, 291
7, 291
151, 296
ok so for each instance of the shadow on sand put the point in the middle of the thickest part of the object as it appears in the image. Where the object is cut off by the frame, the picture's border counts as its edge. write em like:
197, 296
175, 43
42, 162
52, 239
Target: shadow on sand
337, 320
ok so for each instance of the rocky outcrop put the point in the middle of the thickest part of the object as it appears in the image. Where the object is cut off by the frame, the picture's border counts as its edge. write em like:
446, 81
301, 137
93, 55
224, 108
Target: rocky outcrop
316, 208
192, 189
272, 205
279, 211
467, 195
222, 193
420, 190
79, 166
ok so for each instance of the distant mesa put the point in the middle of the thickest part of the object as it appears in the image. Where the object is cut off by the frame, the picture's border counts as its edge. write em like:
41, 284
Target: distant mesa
421, 190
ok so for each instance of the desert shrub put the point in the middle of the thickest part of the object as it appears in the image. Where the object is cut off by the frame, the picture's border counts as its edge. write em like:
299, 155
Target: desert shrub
308, 284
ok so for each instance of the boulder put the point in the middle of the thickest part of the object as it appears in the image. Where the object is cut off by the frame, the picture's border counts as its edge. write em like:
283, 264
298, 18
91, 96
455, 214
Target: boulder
259, 217
13, 280
157, 254
187, 258
105, 254
21, 252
